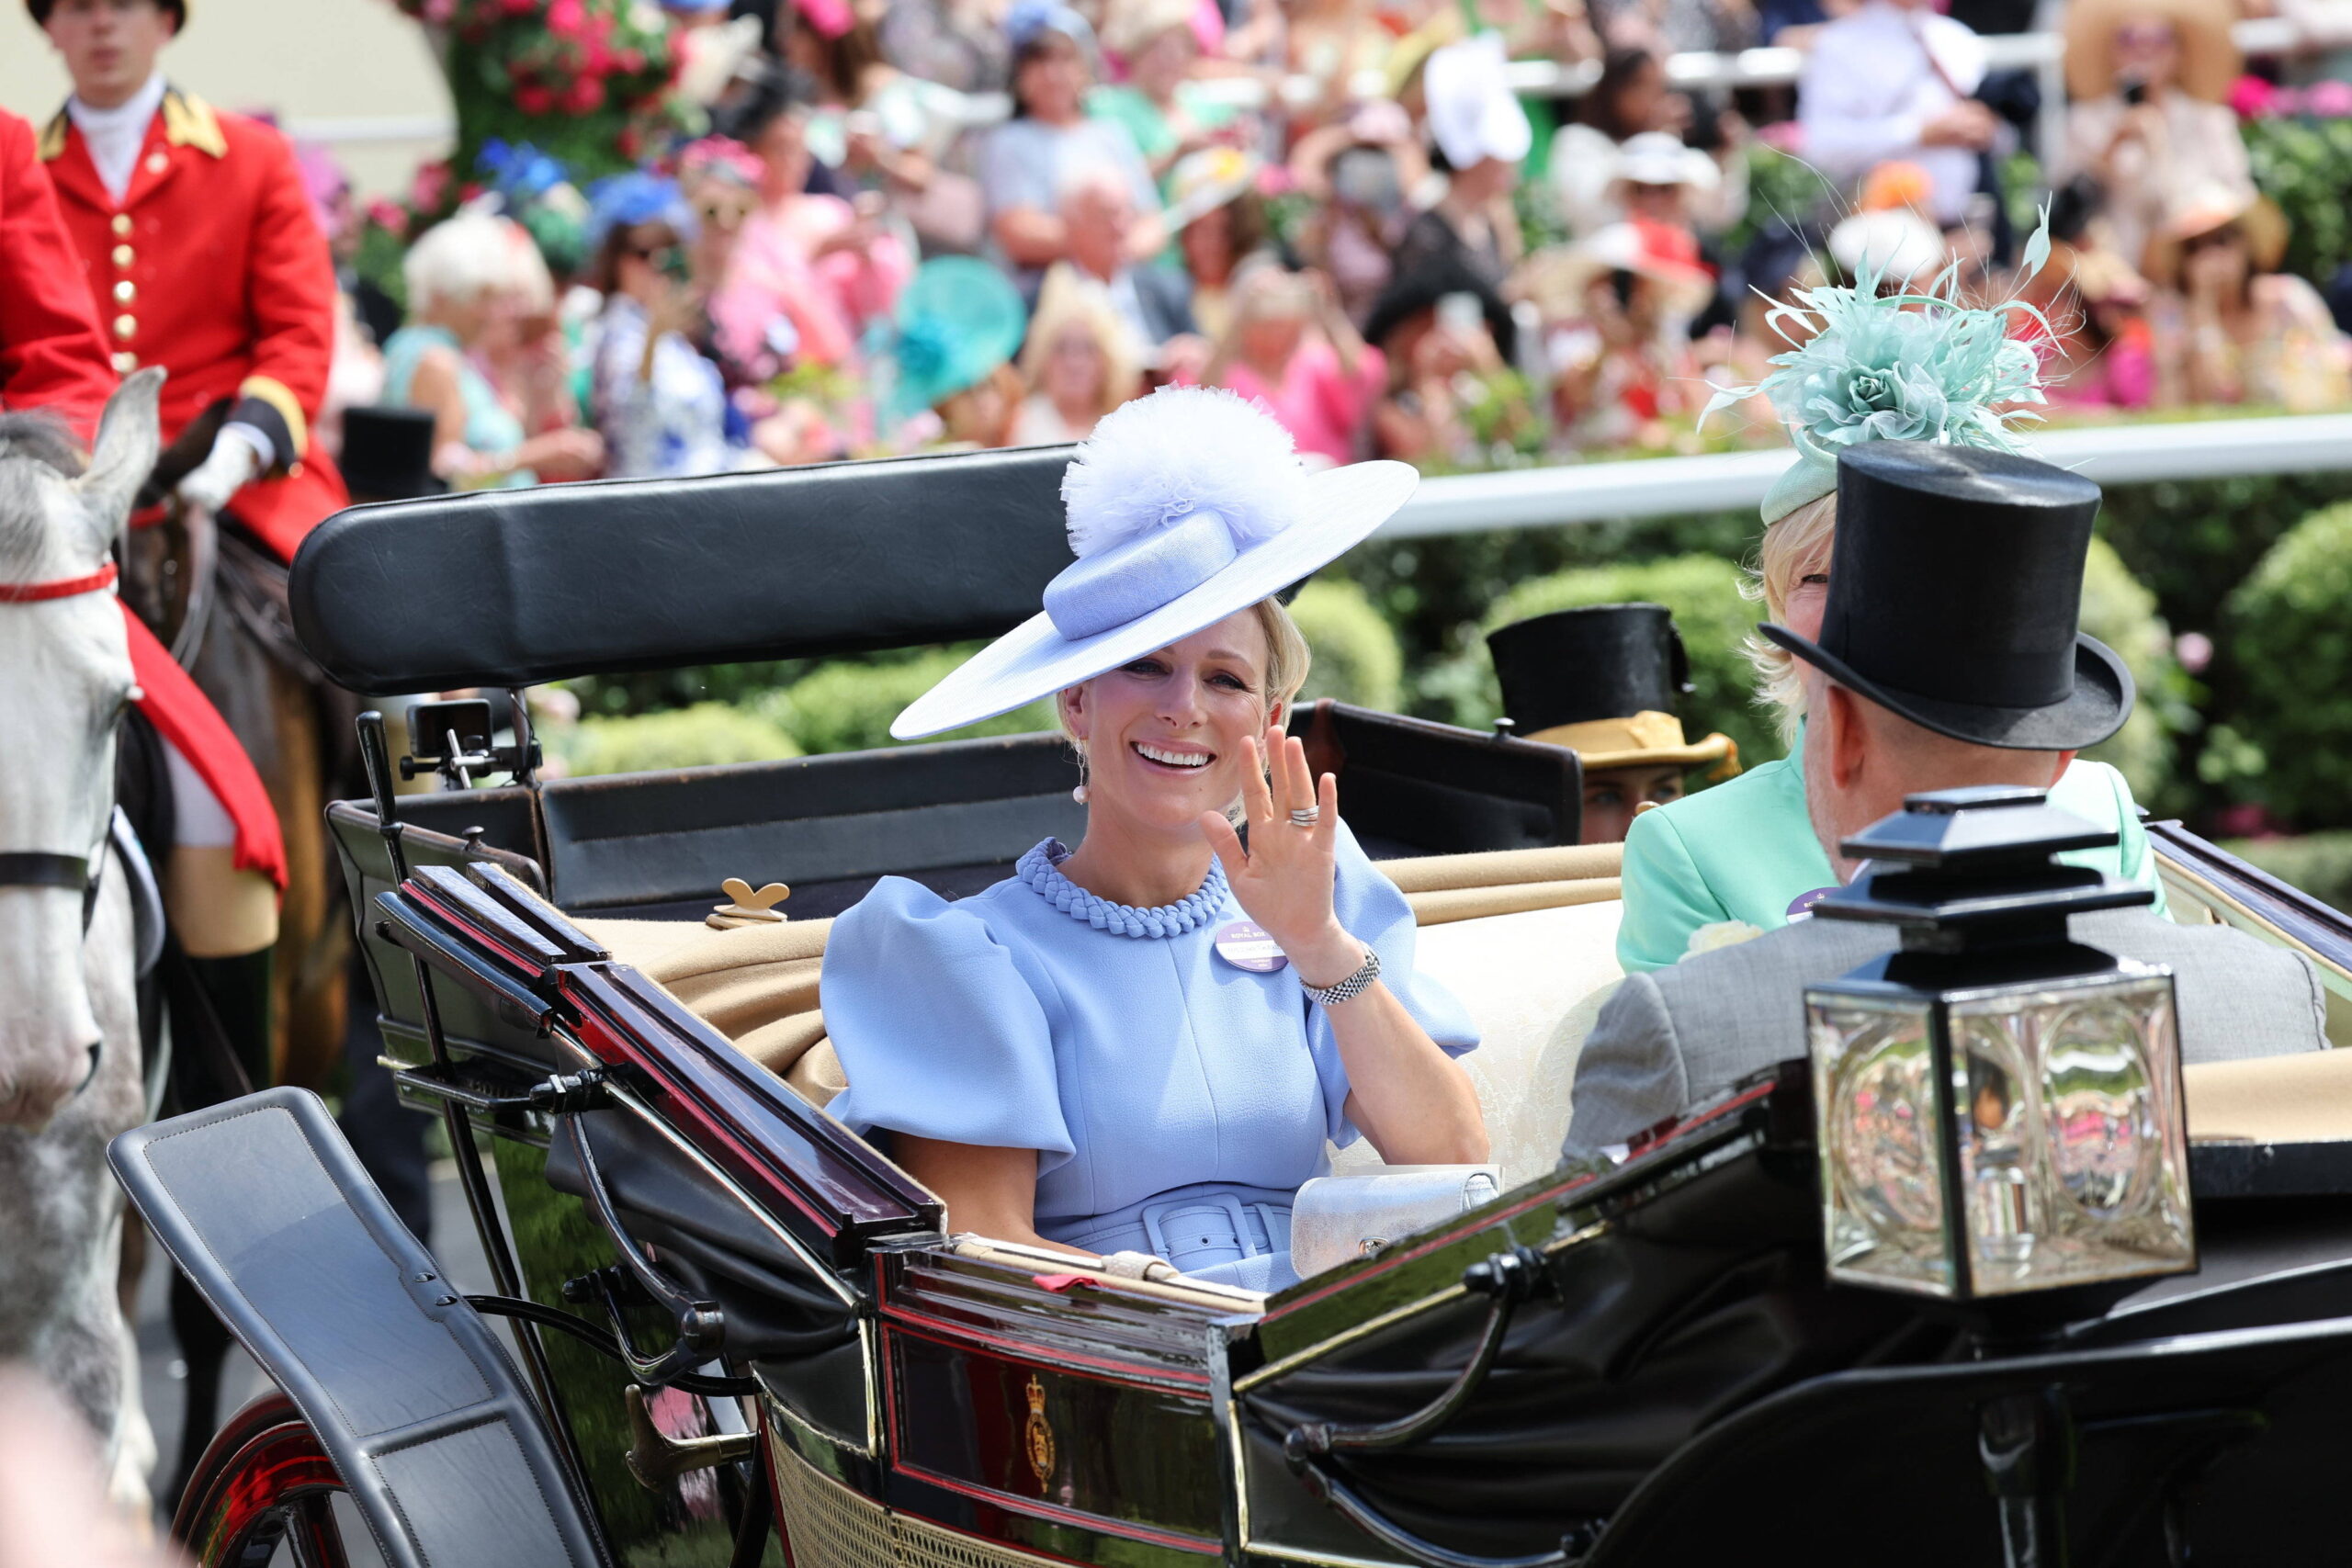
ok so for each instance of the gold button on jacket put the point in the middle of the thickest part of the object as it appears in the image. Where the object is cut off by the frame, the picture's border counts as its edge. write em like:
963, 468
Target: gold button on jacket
125, 326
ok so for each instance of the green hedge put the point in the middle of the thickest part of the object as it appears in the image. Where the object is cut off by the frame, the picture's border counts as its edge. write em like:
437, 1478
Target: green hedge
848, 707
1357, 659
2121, 613
674, 737
2289, 626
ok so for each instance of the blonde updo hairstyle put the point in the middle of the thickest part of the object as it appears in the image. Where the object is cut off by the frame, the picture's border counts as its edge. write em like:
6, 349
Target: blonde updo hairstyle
1793, 549
1288, 660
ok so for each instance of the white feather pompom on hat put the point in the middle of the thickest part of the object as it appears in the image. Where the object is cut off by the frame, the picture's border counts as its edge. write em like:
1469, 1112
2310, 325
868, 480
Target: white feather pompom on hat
1182, 451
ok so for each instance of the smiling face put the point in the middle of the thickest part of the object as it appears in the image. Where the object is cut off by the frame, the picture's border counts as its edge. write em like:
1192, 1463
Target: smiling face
1163, 735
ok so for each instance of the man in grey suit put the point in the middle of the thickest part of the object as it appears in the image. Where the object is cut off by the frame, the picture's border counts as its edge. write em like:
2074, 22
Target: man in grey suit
1948, 657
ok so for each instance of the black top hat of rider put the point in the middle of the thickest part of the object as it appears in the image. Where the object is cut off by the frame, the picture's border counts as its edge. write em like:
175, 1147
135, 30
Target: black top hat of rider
1954, 589
387, 454
1603, 680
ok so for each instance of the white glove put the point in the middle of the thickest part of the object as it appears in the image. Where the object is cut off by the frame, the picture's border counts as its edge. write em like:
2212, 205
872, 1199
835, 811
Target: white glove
233, 461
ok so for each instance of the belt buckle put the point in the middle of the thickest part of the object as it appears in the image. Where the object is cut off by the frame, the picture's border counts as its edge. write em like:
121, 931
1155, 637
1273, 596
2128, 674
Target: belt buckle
1226, 1203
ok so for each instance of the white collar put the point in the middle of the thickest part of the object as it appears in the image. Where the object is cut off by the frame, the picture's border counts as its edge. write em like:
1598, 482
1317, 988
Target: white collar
116, 135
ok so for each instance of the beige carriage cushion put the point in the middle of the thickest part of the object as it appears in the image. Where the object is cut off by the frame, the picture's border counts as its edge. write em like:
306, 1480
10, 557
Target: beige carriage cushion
1533, 982
2305, 1098
1533, 931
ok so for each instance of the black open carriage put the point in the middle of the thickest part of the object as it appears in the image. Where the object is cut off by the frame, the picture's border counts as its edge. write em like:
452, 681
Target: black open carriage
742, 1334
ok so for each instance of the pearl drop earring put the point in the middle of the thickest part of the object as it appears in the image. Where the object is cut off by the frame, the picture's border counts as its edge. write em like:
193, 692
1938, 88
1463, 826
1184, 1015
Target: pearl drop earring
1079, 794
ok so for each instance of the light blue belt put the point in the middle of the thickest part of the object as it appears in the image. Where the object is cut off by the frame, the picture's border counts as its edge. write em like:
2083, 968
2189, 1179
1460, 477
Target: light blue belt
1214, 1230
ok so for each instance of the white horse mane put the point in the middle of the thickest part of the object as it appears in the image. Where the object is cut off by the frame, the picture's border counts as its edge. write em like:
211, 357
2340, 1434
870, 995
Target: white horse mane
35, 438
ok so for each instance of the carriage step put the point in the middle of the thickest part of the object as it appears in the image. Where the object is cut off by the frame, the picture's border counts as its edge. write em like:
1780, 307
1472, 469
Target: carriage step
262, 1203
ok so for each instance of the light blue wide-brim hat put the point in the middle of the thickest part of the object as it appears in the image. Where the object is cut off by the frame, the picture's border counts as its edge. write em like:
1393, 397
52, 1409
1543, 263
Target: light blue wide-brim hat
1184, 507
957, 320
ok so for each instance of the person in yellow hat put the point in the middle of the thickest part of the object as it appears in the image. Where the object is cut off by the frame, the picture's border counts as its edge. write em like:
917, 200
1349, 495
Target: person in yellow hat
1603, 680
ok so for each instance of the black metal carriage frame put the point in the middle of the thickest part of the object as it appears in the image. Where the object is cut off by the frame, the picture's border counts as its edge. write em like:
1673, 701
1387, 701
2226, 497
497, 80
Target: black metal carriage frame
742, 1326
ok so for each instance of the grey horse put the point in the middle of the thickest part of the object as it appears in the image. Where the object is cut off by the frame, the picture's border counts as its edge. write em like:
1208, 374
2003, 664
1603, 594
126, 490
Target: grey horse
70, 1070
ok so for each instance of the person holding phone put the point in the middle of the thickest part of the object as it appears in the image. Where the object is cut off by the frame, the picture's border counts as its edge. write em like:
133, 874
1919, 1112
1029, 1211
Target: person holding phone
660, 404
476, 285
2148, 121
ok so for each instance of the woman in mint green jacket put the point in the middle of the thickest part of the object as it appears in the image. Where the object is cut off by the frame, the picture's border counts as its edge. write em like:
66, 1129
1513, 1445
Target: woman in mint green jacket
1870, 364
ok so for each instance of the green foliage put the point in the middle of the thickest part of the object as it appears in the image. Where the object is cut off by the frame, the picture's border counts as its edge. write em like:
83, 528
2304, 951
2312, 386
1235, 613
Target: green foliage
674, 737
1356, 657
1783, 192
2319, 863
588, 80
2305, 166
2121, 613
848, 707
2290, 630
1714, 617
2192, 543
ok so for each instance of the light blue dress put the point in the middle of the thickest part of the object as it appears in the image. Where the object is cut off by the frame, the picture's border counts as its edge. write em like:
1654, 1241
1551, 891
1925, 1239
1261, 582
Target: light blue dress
1176, 1101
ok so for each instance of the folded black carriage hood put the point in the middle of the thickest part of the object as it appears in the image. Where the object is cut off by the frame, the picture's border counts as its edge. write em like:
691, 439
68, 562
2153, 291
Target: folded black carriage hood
510, 587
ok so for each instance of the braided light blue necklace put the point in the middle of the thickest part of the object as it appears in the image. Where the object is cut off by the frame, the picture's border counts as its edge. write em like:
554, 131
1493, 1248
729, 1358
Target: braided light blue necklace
1040, 868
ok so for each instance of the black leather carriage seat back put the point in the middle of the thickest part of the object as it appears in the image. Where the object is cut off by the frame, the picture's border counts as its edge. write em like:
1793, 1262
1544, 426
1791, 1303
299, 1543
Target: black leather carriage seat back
954, 816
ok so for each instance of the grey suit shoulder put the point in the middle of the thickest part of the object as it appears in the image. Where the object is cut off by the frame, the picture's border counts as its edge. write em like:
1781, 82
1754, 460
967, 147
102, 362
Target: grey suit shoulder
1674, 1036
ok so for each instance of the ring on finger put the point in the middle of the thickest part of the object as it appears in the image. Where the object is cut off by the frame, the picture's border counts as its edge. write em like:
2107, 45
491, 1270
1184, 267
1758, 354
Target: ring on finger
1305, 816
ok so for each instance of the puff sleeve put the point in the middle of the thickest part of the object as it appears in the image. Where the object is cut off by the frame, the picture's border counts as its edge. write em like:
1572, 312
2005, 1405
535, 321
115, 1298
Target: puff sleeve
1371, 908
938, 1032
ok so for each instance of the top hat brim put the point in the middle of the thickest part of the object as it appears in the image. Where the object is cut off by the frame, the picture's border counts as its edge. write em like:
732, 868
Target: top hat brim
1034, 660
2099, 704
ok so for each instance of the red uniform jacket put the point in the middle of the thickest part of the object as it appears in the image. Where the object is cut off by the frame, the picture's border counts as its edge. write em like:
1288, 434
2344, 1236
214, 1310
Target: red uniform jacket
51, 353
213, 267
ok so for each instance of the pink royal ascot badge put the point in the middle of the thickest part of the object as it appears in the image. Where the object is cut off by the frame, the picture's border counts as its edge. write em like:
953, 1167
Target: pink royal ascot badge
1247, 947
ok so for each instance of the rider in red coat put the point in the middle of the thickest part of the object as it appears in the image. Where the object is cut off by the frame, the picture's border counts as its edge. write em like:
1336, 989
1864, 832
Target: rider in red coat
50, 352
200, 251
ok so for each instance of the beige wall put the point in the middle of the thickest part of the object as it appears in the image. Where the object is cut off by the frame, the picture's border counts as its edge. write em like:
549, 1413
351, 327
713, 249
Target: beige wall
322, 65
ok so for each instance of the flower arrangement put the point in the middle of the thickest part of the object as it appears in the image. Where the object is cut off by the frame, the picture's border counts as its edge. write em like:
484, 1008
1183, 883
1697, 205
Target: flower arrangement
587, 80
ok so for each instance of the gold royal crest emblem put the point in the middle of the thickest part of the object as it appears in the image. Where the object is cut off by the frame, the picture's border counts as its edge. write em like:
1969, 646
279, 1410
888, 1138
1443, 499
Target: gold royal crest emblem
1038, 1435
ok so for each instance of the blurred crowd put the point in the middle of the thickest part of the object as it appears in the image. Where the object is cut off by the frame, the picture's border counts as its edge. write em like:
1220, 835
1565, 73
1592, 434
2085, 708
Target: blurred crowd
1461, 233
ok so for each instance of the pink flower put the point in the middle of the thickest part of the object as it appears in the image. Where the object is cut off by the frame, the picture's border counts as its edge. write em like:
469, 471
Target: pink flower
632, 61
2253, 98
532, 98
586, 93
2330, 99
1783, 136
439, 11
425, 190
567, 18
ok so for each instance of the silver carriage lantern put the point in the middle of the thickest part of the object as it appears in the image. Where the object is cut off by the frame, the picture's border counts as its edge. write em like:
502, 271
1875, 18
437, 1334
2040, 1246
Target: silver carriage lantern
1999, 1108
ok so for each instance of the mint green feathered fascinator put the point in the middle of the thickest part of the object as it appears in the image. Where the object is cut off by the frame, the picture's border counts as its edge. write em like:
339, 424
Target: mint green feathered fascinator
1901, 367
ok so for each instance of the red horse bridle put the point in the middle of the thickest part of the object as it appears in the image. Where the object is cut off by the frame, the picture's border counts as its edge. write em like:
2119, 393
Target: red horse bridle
42, 868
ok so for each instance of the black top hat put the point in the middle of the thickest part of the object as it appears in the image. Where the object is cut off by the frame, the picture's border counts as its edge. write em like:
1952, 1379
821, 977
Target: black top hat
387, 454
1603, 681
1954, 589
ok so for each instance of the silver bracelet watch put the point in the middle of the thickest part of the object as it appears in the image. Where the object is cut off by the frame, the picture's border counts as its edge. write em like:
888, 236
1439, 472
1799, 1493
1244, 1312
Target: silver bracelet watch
1353, 985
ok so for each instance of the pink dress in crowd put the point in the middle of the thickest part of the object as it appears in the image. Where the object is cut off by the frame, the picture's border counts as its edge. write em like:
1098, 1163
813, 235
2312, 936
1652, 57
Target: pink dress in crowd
828, 299
1321, 405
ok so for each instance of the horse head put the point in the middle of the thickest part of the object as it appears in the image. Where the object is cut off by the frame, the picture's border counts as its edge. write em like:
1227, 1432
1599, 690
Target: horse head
68, 664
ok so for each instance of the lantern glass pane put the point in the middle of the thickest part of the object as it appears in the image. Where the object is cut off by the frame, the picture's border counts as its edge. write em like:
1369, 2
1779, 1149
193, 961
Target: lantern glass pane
2073, 1154
1873, 1080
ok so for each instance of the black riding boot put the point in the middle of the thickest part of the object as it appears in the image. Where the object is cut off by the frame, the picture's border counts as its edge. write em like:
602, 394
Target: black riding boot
225, 1004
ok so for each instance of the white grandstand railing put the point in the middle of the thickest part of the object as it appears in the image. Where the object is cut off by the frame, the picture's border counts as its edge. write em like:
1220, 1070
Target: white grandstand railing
1678, 487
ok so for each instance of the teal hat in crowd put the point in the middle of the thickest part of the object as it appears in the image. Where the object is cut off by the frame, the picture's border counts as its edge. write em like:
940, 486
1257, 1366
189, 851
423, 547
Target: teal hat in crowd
958, 319
1870, 362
